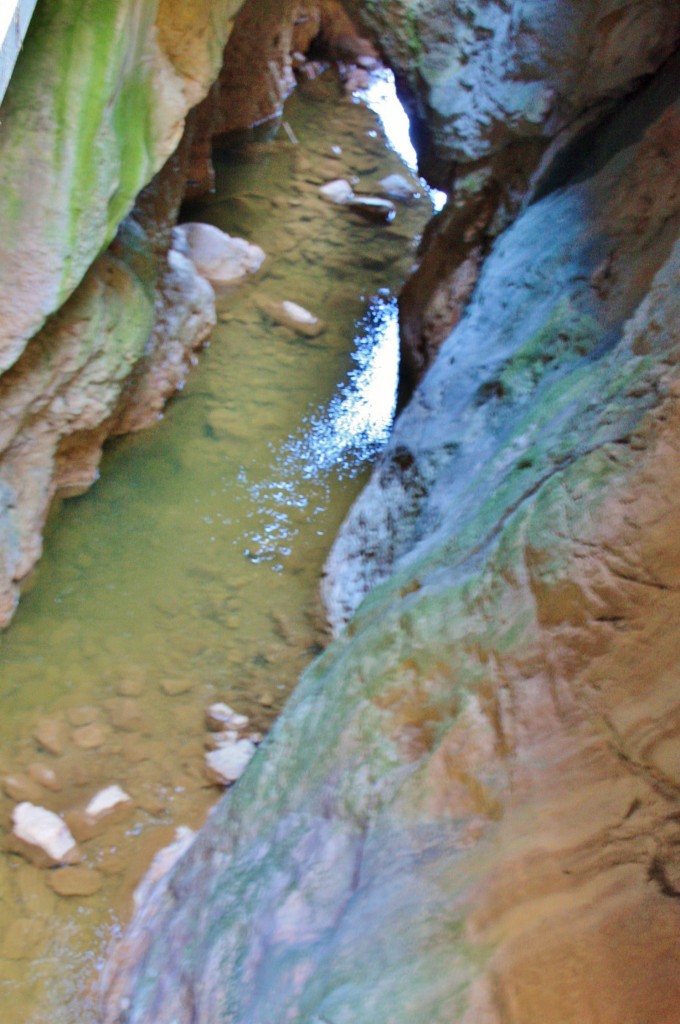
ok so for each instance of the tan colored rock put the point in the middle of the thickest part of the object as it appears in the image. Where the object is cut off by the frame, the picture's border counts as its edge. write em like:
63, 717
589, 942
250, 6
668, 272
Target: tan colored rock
90, 737
45, 776
176, 687
131, 685
108, 807
76, 881
21, 788
51, 735
84, 715
127, 714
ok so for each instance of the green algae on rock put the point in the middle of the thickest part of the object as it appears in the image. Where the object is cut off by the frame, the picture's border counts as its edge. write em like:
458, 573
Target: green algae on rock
96, 105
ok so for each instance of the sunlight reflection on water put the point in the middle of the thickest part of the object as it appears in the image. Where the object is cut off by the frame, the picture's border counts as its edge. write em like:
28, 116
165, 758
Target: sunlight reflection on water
341, 438
381, 97
357, 422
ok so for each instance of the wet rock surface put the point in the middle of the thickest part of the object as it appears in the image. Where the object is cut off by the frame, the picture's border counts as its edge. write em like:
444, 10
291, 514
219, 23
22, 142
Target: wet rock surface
488, 819
500, 95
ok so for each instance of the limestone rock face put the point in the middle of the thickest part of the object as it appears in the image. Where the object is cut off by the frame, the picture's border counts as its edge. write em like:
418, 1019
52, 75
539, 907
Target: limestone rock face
480, 77
498, 93
82, 137
468, 809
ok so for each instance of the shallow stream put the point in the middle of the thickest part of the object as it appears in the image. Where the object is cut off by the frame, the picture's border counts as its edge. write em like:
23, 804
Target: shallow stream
189, 573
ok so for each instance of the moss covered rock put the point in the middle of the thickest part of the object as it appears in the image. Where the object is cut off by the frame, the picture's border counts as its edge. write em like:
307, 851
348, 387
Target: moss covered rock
96, 105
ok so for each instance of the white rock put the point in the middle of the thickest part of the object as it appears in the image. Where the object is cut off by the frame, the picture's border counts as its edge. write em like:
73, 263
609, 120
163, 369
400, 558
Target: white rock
381, 211
40, 827
338, 191
106, 800
219, 716
219, 257
396, 186
227, 764
289, 314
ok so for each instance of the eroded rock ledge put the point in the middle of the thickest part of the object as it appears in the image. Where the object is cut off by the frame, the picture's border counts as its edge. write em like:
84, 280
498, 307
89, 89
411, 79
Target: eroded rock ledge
468, 810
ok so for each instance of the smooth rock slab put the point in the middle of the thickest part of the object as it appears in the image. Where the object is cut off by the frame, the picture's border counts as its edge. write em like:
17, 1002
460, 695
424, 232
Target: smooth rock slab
220, 258
45, 830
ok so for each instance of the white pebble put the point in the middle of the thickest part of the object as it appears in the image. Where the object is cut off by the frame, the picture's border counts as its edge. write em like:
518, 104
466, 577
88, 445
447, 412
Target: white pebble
106, 800
46, 830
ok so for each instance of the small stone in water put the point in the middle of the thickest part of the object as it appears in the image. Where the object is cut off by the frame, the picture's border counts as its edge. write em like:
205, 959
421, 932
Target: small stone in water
380, 211
82, 716
396, 186
266, 700
130, 687
218, 716
78, 881
89, 737
126, 714
51, 735
39, 827
106, 800
175, 687
21, 788
227, 764
290, 315
339, 191
44, 776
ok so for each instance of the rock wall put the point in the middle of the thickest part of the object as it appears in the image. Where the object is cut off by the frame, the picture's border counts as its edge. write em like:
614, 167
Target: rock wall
496, 91
468, 810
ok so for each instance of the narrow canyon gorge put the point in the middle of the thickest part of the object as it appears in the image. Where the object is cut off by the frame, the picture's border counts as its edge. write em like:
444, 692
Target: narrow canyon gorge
466, 809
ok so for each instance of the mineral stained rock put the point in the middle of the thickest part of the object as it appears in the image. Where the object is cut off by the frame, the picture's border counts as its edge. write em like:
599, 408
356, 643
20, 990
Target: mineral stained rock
496, 91
468, 810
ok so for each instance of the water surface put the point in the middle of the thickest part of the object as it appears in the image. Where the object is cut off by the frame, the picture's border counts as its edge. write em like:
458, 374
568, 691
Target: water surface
189, 573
